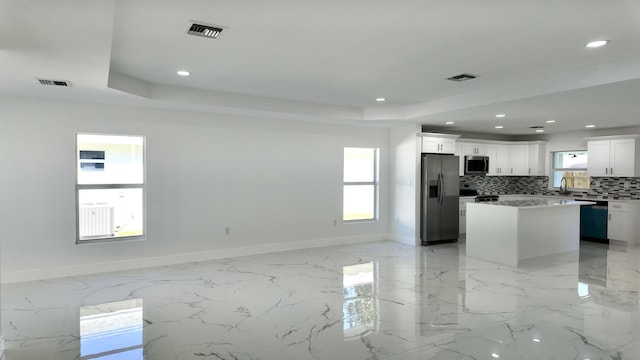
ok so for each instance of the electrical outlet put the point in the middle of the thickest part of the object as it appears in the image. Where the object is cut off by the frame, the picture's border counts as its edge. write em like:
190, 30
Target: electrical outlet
227, 230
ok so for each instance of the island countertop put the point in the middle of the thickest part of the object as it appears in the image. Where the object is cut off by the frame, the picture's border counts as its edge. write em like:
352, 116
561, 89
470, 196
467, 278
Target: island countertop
536, 203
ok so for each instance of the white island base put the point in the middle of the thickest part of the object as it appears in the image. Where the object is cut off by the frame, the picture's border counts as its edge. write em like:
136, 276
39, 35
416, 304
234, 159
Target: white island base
506, 232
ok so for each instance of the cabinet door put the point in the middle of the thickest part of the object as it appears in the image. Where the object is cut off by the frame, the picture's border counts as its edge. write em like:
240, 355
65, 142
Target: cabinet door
622, 157
519, 159
463, 218
491, 150
463, 215
472, 149
460, 153
447, 146
430, 145
616, 226
503, 163
536, 159
598, 159
438, 145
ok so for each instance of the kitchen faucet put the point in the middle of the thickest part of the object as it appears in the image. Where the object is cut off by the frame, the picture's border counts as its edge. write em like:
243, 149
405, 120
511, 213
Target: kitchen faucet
563, 186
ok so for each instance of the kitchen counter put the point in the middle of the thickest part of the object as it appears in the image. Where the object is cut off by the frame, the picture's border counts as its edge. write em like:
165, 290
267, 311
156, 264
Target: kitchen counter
509, 231
570, 197
539, 202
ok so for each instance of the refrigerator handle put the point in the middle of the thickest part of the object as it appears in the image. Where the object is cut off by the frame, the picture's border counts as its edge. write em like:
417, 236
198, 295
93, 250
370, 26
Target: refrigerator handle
441, 188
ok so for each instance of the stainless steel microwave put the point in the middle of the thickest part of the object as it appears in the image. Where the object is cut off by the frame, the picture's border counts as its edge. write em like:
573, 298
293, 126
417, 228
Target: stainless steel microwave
476, 165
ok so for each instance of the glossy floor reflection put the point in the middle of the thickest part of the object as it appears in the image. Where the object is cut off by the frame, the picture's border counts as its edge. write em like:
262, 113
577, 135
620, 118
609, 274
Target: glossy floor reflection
371, 301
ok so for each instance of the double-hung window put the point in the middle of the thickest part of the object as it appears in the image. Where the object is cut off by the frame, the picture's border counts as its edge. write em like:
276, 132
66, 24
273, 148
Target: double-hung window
109, 187
360, 190
572, 166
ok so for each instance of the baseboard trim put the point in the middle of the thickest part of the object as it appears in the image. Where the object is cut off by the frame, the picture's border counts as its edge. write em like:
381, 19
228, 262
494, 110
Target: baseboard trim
141, 263
407, 240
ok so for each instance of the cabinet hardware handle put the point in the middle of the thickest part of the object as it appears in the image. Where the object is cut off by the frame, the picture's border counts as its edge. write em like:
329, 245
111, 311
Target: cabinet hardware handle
609, 217
611, 171
606, 170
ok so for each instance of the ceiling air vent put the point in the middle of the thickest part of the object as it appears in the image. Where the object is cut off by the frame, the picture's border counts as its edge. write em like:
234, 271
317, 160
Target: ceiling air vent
54, 82
208, 31
462, 77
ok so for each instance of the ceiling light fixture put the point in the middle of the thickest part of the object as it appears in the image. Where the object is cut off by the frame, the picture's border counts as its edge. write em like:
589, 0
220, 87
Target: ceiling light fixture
597, 44
550, 121
381, 99
449, 123
499, 126
494, 355
501, 115
536, 340
590, 126
539, 130
183, 73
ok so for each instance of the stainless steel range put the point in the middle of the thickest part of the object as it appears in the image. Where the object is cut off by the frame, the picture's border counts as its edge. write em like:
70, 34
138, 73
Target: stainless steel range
487, 198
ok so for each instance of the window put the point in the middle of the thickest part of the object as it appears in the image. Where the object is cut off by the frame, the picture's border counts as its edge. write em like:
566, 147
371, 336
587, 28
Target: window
109, 187
360, 197
572, 165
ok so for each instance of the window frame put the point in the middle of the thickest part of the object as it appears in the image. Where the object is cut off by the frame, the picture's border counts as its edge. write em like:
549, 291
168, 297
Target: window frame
554, 169
375, 183
80, 187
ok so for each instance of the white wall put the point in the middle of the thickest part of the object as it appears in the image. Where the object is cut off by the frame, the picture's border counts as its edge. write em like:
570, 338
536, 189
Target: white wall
277, 184
405, 160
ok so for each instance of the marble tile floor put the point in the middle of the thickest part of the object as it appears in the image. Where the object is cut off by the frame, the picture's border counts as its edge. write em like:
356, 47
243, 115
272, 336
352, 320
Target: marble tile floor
379, 300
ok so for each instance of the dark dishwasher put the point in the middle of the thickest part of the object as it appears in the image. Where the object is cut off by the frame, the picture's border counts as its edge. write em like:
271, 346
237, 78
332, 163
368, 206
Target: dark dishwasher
593, 222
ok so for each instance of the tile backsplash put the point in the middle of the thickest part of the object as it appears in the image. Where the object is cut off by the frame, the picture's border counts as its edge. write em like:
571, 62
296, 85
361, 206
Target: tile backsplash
606, 187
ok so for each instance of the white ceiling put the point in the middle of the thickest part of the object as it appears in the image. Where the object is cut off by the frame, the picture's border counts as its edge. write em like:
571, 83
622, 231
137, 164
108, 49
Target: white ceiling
328, 60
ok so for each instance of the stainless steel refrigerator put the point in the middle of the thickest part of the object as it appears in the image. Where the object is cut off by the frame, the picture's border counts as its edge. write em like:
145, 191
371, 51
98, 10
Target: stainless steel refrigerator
440, 207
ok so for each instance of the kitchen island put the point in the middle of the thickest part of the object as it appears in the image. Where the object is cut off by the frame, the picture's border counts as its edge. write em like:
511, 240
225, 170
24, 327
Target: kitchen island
506, 232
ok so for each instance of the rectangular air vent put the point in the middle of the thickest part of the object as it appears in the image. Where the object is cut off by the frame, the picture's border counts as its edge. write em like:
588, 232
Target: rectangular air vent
54, 82
462, 77
208, 31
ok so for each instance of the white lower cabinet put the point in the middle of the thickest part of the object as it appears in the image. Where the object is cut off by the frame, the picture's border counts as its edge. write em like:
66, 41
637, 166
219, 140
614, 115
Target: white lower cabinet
463, 214
622, 224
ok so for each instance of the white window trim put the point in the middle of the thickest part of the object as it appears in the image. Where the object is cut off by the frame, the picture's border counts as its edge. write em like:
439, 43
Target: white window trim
80, 187
375, 183
553, 169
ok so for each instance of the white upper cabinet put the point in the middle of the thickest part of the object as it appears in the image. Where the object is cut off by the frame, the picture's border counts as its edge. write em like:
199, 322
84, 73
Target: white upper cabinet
460, 153
499, 159
613, 156
519, 159
537, 159
438, 143
471, 149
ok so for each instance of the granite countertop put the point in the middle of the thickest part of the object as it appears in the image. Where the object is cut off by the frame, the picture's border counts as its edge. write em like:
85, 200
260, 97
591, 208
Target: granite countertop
538, 202
570, 197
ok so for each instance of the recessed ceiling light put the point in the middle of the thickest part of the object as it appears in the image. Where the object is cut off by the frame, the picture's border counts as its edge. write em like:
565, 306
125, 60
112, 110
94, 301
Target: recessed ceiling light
381, 99
550, 121
494, 355
501, 115
536, 340
597, 43
183, 73
590, 126
539, 130
499, 126
449, 123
